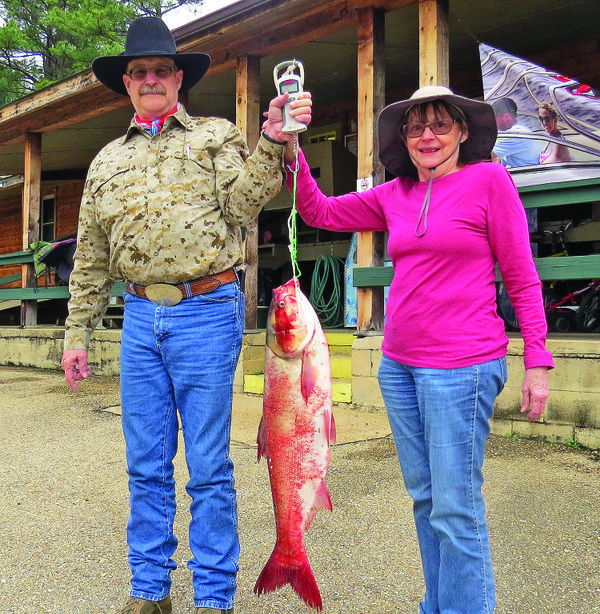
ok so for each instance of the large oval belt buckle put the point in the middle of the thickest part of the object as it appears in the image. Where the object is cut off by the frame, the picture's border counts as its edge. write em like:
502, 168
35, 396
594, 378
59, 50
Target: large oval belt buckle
164, 294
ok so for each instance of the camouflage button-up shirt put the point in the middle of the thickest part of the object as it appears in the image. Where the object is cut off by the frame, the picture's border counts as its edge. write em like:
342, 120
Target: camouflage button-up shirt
166, 208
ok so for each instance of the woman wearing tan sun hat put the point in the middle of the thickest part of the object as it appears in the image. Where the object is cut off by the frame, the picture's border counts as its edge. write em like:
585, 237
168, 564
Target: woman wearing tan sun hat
451, 217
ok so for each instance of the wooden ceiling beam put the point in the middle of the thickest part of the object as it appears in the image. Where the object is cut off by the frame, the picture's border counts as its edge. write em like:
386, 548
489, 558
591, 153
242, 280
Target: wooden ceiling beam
71, 110
270, 31
55, 93
269, 35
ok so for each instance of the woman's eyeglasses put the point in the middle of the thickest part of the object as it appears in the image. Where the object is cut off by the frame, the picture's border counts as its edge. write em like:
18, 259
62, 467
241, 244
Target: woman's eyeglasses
439, 126
160, 72
546, 119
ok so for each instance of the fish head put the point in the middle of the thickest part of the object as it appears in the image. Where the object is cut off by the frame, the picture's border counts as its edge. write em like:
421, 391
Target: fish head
290, 323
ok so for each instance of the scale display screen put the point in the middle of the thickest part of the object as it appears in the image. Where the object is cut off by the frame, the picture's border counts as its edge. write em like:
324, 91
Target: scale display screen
290, 86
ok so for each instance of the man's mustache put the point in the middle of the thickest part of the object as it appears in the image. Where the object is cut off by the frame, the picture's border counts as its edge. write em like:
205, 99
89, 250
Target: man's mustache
152, 89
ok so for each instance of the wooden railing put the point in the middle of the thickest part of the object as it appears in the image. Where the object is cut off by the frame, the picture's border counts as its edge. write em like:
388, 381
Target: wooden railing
39, 292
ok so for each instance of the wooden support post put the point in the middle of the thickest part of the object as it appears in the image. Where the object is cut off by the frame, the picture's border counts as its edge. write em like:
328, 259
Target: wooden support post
248, 122
31, 218
371, 99
433, 43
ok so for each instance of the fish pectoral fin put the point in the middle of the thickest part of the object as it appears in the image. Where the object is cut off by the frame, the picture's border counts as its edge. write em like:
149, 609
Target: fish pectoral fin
261, 439
321, 501
309, 376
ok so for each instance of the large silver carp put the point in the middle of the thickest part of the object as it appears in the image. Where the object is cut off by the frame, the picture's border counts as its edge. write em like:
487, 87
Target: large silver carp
295, 434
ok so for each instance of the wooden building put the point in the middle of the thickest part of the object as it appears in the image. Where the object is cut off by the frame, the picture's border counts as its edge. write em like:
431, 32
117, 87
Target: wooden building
358, 55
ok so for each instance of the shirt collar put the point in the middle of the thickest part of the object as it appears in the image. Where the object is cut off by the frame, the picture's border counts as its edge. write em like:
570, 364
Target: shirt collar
180, 116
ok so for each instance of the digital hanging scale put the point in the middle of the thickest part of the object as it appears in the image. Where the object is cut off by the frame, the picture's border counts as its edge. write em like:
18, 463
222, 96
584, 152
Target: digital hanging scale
289, 77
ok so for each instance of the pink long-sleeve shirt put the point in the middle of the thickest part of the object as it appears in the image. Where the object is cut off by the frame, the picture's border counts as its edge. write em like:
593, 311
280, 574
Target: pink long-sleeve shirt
441, 310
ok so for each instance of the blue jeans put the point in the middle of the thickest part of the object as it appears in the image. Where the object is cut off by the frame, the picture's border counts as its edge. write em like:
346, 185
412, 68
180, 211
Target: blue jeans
440, 421
181, 359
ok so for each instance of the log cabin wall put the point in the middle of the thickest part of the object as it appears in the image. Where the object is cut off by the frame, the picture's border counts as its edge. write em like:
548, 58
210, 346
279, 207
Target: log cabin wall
10, 221
12, 230
68, 200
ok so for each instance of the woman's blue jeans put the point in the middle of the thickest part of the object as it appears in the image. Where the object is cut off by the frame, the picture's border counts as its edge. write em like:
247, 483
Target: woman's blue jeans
440, 422
181, 359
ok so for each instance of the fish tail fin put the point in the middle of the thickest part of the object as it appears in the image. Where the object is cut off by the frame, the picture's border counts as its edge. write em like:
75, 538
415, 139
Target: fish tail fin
278, 573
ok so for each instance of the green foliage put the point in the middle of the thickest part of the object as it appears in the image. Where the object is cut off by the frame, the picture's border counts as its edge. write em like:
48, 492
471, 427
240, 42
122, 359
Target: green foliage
43, 41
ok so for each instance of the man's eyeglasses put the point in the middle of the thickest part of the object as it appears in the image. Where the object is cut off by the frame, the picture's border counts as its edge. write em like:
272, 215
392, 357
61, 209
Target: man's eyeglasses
439, 126
546, 119
160, 72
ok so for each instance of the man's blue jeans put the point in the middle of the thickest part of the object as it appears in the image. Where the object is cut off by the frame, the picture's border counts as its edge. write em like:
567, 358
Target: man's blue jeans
440, 421
181, 358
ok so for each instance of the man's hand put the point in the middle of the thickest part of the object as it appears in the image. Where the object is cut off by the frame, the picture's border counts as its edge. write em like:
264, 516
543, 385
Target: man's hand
74, 363
299, 108
535, 392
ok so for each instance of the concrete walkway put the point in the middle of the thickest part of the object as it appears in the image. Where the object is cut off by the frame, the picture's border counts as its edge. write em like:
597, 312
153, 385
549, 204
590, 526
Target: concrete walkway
63, 508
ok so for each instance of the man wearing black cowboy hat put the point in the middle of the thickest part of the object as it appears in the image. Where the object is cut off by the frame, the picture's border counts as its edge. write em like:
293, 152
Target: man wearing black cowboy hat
162, 209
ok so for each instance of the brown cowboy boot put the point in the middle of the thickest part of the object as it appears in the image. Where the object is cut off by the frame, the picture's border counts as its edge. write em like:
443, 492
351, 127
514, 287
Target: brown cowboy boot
135, 605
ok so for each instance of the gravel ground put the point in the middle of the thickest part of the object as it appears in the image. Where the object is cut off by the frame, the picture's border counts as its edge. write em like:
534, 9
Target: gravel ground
63, 505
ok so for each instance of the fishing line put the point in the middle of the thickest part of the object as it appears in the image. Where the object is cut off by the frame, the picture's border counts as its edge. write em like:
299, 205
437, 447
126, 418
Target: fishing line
292, 220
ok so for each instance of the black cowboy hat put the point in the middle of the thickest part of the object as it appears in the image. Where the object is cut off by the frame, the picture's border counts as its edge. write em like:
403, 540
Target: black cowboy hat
149, 37
481, 123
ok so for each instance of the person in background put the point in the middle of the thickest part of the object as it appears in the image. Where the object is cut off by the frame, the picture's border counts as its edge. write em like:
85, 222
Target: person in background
553, 152
513, 147
451, 217
162, 208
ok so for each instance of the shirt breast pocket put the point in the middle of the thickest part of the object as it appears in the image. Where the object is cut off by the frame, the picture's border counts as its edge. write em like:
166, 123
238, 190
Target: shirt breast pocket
198, 177
113, 197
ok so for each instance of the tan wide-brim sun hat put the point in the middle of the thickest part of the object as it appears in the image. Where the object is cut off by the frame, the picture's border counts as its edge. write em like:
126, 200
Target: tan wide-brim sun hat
481, 123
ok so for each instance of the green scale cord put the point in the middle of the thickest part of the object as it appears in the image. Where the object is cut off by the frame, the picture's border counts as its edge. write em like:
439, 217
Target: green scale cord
330, 311
292, 220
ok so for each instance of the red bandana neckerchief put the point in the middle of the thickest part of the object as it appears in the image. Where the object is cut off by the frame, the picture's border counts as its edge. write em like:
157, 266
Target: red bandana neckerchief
155, 126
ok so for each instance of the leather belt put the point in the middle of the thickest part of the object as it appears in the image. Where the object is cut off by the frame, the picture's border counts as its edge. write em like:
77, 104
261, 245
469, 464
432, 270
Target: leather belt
171, 294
